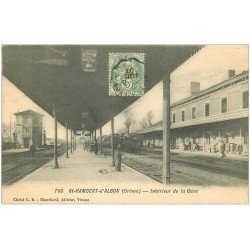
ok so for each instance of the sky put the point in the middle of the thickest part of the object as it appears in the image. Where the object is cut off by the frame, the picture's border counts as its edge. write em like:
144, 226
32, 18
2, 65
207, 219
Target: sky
209, 66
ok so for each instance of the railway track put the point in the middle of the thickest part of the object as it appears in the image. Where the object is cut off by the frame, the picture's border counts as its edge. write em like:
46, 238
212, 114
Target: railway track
153, 172
203, 170
12, 174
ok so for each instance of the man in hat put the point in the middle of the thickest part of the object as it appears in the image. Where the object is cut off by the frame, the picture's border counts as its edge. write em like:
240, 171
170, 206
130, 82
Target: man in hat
222, 148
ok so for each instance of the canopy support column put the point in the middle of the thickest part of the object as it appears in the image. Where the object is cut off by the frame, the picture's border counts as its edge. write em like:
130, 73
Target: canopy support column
55, 143
204, 141
112, 143
100, 140
74, 140
67, 140
166, 130
71, 149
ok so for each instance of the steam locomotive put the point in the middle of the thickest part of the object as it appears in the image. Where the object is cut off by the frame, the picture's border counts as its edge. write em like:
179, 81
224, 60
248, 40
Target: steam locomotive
128, 143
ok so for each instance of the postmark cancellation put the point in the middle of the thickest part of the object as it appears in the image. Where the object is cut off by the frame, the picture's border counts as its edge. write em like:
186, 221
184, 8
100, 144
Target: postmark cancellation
126, 74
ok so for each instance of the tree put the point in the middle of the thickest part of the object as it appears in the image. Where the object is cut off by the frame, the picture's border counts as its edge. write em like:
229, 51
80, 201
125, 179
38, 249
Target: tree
143, 123
149, 118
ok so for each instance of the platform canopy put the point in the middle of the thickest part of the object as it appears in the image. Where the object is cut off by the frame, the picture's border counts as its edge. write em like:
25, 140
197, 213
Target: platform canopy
53, 76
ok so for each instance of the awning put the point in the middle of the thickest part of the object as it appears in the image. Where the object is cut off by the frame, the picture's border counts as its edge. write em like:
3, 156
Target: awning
53, 76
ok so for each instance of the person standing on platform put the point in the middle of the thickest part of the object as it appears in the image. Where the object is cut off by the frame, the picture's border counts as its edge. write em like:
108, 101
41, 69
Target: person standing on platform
32, 149
96, 147
222, 148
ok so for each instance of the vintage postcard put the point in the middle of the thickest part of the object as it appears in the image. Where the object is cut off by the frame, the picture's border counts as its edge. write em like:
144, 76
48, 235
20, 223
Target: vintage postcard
125, 124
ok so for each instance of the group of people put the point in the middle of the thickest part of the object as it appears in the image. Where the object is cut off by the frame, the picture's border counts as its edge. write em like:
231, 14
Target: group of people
94, 147
222, 146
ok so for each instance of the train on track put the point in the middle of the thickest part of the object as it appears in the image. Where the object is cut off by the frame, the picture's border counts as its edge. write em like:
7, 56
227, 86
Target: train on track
132, 143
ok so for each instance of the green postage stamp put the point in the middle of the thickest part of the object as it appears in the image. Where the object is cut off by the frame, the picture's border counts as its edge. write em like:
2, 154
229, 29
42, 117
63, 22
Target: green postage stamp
126, 74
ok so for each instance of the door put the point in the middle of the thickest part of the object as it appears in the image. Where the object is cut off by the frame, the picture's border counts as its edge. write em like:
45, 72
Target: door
26, 142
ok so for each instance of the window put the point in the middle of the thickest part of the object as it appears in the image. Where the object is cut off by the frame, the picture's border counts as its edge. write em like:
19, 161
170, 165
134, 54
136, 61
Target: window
183, 115
35, 120
27, 130
193, 112
25, 120
173, 118
245, 99
224, 105
207, 110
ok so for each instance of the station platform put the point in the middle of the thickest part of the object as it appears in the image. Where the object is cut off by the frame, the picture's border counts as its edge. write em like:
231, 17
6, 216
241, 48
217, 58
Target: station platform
84, 167
86, 178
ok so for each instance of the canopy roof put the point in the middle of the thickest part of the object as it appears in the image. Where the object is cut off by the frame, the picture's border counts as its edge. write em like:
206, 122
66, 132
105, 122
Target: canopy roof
28, 113
52, 76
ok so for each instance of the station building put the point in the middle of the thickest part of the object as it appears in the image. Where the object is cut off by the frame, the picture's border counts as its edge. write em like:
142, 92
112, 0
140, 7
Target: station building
29, 128
199, 122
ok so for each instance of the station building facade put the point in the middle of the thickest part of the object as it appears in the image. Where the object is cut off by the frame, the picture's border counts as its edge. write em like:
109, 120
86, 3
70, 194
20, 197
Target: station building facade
199, 122
29, 125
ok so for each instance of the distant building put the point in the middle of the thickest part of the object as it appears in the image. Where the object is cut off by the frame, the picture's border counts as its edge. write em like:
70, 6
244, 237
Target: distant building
201, 120
29, 130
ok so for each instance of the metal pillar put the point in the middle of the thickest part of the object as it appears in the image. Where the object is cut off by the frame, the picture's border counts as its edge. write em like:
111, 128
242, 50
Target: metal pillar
240, 136
71, 149
241, 144
55, 143
44, 137
166, 130
112, 143
75, 140
203, 135
100, 140
67, 140
10, 127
